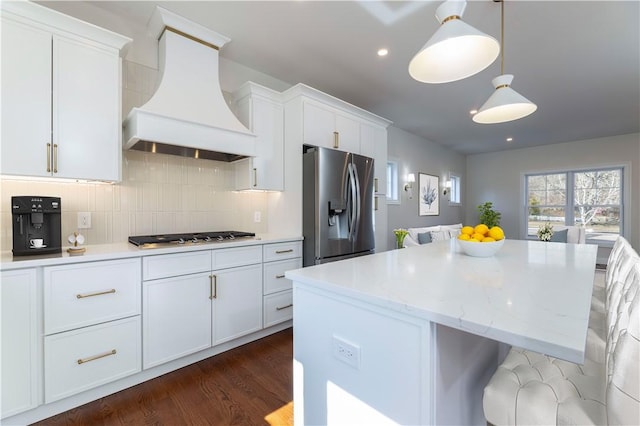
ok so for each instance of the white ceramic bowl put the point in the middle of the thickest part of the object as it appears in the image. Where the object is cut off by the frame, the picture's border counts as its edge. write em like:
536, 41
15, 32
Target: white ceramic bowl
480, 249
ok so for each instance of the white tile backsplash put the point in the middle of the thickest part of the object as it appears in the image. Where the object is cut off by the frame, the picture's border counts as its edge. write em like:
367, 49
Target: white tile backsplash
149, 203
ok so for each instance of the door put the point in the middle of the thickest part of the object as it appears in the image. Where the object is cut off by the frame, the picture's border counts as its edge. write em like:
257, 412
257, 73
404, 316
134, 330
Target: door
237, 302
86, 111
363, 236
20, 337
333, 205
176, 317
26, 100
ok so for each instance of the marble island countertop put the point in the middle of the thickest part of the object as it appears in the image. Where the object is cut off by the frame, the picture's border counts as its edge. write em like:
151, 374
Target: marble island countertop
123, 250
530, 294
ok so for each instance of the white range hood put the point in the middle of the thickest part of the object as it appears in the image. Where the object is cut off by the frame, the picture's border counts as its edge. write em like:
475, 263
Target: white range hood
187, 115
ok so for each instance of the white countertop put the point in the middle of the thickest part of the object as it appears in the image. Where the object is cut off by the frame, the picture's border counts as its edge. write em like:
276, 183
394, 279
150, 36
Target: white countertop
124, 250
531, 294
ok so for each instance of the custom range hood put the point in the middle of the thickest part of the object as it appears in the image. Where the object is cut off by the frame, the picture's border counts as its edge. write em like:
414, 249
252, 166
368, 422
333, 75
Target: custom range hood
187, 115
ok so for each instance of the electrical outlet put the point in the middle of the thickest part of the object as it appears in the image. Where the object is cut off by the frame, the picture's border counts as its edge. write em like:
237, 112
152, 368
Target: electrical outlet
346, 352
84, 220
257, 216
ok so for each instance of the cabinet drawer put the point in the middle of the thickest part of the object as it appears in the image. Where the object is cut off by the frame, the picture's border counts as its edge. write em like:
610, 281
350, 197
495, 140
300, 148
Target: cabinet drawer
278, 307
173, 265
90, 293
274, 279
237, 256
83, 359
280, 251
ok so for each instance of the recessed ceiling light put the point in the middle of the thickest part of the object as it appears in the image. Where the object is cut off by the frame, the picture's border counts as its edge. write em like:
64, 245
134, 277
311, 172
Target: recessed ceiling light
473, 111
383, 52
509, 139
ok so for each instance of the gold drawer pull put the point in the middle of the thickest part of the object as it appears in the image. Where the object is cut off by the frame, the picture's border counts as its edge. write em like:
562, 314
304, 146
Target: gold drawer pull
93, 358
284, 251
279, 308
55, 158
336, 140
100, 293
280, 276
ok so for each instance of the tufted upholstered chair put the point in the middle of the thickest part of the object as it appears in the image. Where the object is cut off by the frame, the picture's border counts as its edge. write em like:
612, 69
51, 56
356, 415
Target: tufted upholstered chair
531, 388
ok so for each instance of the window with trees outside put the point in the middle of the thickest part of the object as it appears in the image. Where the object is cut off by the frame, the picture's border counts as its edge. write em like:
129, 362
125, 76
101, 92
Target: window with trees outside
592, 199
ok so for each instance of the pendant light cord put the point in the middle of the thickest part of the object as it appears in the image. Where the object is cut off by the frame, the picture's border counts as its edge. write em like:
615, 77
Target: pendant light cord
502, 37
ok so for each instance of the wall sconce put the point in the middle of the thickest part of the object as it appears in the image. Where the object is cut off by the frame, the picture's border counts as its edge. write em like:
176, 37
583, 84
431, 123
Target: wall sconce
447, 187
411, 178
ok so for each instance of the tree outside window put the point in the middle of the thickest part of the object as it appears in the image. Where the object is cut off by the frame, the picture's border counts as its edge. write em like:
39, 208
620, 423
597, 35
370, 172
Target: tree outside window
589, 198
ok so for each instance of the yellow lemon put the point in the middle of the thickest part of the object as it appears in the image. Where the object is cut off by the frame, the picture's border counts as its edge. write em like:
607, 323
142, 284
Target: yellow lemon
481, 229
477, 236
465, 237
488, 240
496, 233
473, 240
468, 230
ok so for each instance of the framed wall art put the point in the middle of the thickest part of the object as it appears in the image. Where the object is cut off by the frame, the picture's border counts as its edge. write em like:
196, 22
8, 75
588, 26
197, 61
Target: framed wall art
429, 195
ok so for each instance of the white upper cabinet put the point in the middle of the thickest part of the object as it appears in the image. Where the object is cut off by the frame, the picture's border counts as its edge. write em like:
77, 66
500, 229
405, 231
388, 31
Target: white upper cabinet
327, 127
26, 100
261, 111
373, 143
61, 95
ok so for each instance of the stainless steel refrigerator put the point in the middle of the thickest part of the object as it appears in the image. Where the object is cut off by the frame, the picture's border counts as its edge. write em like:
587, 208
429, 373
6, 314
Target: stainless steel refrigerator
337, 205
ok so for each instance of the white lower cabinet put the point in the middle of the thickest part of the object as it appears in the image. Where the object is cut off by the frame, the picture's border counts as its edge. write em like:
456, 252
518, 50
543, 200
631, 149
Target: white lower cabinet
21, 362
91, 325
88, 357
176, 317
237, 303
194, 311
277, 290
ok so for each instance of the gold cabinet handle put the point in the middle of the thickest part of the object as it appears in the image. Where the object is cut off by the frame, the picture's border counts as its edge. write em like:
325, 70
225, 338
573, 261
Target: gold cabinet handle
280, 276
280, 308
375, 184
375, 203
336, 140
255, 177
93, 358
284, 251
213, 284
55, 158
99, 293
48, 158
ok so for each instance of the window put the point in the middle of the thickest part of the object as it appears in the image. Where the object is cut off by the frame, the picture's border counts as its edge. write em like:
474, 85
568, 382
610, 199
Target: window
454, 197
589, 198
392, 183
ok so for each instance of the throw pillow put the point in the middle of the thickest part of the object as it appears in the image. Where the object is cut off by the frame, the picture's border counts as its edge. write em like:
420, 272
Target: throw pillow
440, 235
424, 238
559, 236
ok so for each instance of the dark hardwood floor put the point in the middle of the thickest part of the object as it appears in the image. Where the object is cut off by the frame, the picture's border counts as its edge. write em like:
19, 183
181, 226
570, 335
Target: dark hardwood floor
249, 385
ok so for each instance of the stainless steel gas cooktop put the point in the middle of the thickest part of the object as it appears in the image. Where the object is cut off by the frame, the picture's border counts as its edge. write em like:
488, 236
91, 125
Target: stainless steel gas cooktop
151, 241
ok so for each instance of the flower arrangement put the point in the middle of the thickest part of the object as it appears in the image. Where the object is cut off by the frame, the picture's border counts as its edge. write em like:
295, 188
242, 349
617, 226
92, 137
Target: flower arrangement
545, 232
400, 234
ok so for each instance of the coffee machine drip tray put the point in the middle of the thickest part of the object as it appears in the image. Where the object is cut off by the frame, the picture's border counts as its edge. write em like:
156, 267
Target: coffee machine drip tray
167, 240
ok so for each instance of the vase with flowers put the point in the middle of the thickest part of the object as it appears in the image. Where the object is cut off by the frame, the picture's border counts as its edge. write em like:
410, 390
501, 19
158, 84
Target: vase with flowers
400, 234
545, 232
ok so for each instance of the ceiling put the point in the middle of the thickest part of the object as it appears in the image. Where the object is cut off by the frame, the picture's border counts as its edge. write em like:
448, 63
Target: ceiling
579, 61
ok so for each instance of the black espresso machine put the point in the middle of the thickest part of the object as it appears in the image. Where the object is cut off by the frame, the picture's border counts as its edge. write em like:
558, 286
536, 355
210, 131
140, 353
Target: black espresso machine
36, 225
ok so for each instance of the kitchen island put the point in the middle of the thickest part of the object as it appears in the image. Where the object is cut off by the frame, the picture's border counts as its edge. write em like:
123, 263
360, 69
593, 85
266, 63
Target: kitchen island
411, 336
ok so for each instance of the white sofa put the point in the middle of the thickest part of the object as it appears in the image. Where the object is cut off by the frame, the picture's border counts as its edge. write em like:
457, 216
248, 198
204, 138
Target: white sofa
575, 234
534, 389
436, 233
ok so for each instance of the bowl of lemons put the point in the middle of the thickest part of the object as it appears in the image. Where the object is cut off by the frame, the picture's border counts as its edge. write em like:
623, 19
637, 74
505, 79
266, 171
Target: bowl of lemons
480, 240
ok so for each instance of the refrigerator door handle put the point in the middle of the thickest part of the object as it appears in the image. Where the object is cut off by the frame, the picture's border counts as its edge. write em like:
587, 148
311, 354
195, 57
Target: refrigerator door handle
352, 201
358, 200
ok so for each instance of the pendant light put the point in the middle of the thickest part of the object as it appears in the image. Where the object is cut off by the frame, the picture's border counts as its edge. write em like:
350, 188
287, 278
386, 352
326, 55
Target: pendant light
455, 51
505, 104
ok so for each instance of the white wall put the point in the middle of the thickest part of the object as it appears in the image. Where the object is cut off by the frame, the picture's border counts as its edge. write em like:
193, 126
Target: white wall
498, 177
417, 155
